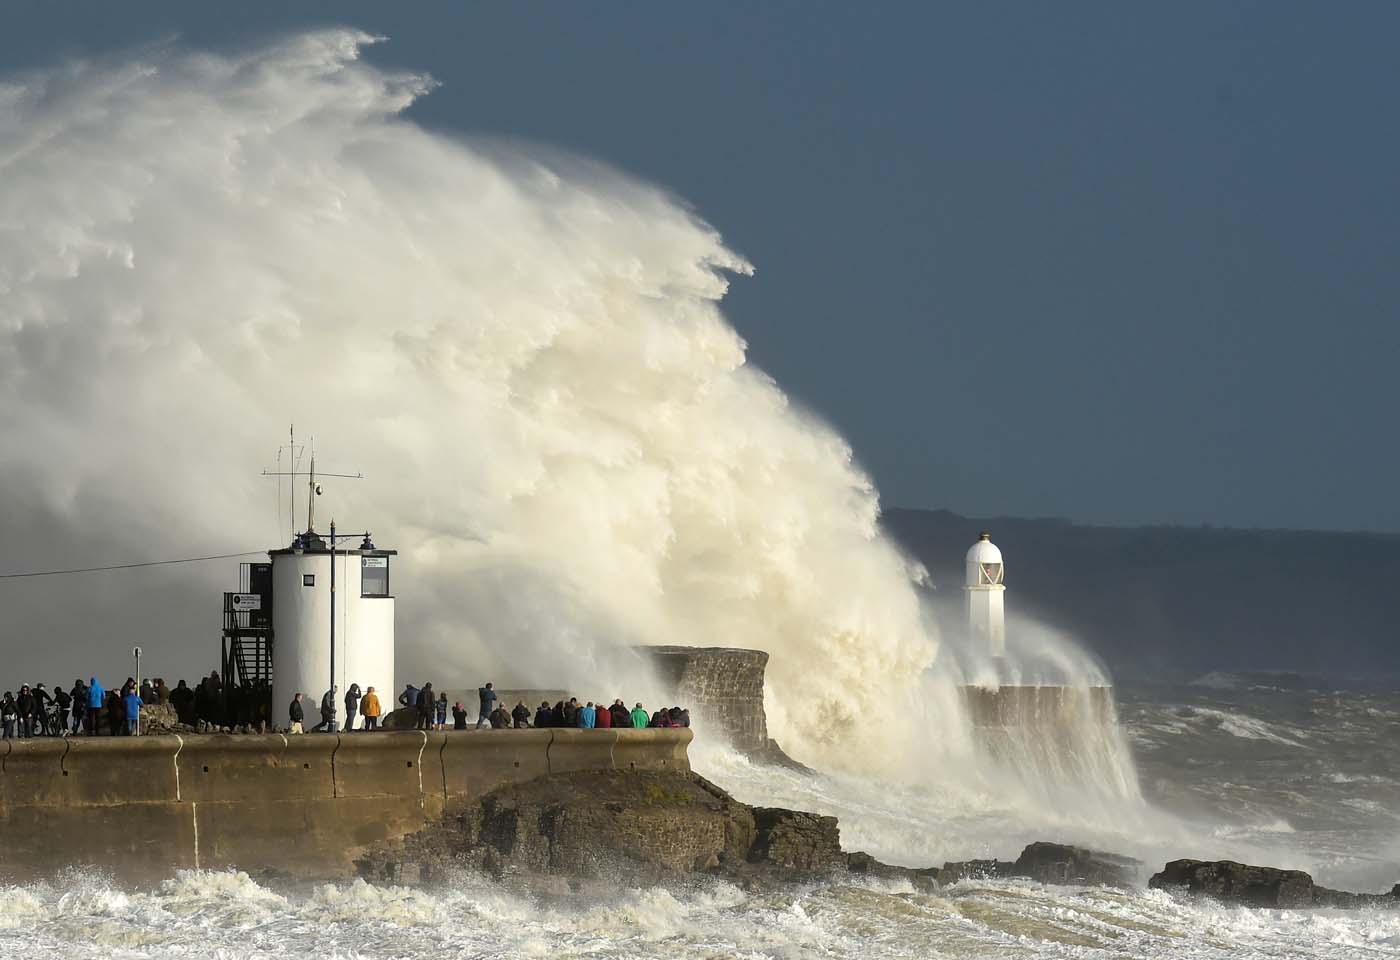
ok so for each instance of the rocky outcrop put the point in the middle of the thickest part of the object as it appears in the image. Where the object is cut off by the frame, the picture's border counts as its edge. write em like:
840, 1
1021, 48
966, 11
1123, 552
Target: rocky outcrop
1058, 863
1254, 886
863, 864
572, 832
797, 841
1055, 863
579, 833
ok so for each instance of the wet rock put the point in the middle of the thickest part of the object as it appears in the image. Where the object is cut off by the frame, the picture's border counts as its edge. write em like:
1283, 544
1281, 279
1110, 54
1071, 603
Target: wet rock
956, 870
1238, 883
795, 840
863, 864
1341, 899
634, 828
1059, 863
774, 755
1253, 886
404, 718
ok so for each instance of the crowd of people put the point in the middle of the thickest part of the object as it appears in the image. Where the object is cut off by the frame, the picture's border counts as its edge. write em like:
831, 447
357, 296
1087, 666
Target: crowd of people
90, 709
430, 711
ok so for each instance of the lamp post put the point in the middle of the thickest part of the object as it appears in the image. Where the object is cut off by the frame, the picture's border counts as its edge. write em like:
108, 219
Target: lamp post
334, 692
136, 652
367, 544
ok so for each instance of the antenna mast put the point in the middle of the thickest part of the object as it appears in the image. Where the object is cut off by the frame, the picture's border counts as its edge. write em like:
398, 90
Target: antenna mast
311, 493
313, 489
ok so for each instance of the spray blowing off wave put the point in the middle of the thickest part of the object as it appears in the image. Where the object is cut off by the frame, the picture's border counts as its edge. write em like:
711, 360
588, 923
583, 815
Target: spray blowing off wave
522, 351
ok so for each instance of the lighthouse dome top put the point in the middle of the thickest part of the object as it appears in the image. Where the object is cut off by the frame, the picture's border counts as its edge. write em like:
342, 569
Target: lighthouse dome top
984, 551
984, 566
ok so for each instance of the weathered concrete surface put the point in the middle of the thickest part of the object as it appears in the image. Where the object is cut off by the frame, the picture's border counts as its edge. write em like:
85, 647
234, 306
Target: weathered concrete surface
305, 805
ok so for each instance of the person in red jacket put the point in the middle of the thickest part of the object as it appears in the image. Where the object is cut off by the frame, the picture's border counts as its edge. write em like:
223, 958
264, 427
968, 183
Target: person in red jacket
604, 719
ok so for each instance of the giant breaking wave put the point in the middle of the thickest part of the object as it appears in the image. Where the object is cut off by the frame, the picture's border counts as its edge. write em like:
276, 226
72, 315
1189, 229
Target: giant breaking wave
522, 350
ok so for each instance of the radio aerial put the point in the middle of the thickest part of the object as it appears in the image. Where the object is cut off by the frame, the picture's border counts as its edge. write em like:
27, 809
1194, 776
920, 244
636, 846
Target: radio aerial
314, 489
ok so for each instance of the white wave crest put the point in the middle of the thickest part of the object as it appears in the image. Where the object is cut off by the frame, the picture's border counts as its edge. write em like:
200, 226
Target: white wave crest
523, 351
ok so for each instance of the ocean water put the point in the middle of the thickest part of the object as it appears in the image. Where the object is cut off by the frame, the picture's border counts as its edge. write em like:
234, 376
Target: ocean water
1283, 776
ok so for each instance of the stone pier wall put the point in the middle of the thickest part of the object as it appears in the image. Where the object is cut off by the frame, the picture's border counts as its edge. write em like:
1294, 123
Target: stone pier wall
1041, 707
142, 807
721, 686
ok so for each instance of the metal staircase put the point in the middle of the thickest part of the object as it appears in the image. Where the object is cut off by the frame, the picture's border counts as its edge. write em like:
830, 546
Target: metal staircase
247, 632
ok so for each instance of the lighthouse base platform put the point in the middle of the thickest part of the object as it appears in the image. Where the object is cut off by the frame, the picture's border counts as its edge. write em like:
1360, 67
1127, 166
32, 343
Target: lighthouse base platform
1041, 706
1052, 737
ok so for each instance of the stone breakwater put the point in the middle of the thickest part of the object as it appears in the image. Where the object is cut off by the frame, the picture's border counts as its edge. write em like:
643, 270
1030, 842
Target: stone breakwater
141, 807
723, 688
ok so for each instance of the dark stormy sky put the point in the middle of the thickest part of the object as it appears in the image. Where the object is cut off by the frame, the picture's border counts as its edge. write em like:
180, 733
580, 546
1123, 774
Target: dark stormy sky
1111, 262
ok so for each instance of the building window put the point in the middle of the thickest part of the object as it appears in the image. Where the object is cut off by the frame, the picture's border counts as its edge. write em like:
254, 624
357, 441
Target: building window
308, 579
374, 576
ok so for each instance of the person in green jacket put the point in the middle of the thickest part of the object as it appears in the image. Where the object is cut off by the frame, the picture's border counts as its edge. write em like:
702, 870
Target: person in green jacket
640, 717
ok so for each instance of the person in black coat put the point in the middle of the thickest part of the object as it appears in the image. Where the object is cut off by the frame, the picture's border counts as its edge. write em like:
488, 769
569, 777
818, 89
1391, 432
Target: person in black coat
425, 707
328, 712
42, 702
24, 708
116, 713
63, 701
79, 696
352, 706
521, 715
182, 699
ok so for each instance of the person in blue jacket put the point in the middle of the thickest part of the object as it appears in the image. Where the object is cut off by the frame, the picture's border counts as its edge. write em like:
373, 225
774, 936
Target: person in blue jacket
487, 696
132, 702
587, 716
97, 696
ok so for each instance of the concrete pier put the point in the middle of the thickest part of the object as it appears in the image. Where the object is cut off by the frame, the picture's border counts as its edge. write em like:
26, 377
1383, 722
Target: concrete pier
141, 807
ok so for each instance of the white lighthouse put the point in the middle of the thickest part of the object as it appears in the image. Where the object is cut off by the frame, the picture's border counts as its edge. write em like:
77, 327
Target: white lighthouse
319, 615
315, 631
986, 614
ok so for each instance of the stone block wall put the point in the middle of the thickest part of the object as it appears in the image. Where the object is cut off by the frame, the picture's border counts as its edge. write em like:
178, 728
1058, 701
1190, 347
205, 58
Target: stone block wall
721, 686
